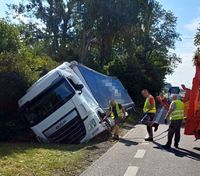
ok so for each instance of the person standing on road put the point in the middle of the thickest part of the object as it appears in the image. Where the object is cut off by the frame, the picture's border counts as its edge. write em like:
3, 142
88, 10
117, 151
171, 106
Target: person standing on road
149, 111
116, 112
176, 115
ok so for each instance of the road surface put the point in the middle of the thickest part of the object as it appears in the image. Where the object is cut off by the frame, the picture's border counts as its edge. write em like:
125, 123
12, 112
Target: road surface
132, 156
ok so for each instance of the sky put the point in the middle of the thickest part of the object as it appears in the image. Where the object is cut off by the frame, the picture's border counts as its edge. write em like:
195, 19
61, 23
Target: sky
188, 19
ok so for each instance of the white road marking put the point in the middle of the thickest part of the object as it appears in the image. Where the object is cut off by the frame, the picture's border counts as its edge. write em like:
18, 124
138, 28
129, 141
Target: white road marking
131, 171
144, 143
140, 153
147, 135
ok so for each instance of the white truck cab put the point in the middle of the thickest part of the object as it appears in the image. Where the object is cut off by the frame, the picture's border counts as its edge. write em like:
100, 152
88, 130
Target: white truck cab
60, 107
174, 90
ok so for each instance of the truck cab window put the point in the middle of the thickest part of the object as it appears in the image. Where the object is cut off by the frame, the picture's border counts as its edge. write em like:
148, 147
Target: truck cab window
48, 102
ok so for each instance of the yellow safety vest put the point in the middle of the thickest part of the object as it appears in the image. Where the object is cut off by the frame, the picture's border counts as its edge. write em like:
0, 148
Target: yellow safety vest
147, 106
119, 111
178, 113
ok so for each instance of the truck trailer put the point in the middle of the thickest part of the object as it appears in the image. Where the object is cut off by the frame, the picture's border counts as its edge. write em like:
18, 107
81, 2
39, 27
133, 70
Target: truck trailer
66, 105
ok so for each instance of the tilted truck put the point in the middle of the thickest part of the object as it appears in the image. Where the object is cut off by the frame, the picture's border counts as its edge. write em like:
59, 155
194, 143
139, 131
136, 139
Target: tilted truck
174, 90
66, 105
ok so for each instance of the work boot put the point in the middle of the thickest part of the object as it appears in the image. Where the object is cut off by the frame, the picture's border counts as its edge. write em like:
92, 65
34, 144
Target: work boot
155, 125
116, 137
176, 146
149, 139
166, 147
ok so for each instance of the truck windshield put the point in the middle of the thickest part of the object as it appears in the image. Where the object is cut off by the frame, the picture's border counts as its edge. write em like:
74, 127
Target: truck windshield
48, 102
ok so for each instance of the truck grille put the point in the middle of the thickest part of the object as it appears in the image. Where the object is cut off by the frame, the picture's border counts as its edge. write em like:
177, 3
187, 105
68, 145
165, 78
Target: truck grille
71, 133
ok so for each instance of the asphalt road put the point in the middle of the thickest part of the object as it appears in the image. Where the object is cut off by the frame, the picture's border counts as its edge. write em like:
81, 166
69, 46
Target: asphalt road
132, 156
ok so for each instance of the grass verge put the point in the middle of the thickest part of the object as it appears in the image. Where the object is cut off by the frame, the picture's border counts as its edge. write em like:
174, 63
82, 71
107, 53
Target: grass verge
25, 159
36, 159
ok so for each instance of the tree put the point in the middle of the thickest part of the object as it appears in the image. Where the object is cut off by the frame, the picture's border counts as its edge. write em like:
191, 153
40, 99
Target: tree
17, 73
146, 47
52, 23
197, 37
20, 67
10, 38
138, 34
130, 39
105, 19
197, 43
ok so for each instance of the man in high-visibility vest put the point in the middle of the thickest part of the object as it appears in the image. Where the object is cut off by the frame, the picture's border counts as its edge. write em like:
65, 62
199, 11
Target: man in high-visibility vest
117, 112
176, 115
149, 111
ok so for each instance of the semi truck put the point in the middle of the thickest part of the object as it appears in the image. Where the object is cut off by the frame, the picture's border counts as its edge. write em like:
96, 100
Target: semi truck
67, 104
174, 90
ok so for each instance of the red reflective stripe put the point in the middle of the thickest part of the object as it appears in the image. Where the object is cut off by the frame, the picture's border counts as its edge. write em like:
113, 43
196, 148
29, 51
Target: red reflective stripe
151, 100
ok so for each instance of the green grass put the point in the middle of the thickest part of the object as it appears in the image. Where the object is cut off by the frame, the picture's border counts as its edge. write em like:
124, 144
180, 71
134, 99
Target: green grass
42, 160
25, 159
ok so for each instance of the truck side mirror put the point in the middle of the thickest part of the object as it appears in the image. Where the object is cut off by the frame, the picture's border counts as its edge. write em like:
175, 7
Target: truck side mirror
79, 87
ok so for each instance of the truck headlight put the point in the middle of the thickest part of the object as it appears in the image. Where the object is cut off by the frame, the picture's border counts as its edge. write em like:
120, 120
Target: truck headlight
92, 125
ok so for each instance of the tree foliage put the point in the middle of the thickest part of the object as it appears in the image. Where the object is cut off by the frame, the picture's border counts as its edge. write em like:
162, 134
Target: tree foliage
17, 73
51, 22
197, 43
130, 39
20, 67
9, 37
106, 35
197, 38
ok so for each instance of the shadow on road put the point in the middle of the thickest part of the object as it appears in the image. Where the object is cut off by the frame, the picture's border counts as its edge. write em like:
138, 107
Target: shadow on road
160, 136
196, 148
157, 139
128, 126
181, 152
161, 133
128, 142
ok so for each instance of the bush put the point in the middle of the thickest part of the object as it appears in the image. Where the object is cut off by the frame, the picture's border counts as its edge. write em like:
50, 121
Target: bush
17, 73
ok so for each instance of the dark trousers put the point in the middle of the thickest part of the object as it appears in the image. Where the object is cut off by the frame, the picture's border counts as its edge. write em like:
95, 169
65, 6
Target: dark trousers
174, 128
148, 120
149, 126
